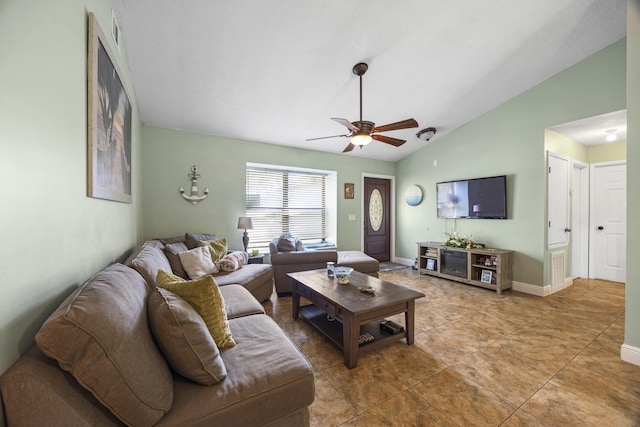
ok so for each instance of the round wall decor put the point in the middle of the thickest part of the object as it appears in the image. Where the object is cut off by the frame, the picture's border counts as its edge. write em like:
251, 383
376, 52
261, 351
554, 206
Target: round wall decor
413, 195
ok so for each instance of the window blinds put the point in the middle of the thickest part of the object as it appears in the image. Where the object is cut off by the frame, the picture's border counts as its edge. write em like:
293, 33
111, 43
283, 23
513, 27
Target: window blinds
284, 201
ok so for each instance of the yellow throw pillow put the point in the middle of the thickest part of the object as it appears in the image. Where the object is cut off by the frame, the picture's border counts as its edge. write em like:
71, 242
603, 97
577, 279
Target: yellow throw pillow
218, 248
204, 296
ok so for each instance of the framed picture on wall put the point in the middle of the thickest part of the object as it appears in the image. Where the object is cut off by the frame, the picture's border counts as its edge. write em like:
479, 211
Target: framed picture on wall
109, 122
348, 190
486, 276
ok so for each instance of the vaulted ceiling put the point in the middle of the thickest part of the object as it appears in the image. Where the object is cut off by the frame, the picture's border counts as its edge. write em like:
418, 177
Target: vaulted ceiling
277, 71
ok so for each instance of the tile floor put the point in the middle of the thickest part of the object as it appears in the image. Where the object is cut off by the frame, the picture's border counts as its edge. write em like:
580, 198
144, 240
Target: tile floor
482, 359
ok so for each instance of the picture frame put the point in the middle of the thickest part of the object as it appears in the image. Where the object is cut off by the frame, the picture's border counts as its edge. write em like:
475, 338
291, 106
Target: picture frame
486, 276
108, 122
349, 189
431, 264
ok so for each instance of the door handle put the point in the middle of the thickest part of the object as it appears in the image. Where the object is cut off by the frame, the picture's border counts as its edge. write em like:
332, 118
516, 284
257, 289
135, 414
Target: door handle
600, 228
567, 230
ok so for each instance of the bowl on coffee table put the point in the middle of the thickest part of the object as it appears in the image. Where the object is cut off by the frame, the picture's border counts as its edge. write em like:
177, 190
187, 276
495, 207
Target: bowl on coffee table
343, 274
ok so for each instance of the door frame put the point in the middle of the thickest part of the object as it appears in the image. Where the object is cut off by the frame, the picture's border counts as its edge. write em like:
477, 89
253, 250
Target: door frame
392, 218
580, 213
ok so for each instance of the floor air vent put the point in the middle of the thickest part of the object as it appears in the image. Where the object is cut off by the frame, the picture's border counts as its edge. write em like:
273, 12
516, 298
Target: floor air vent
557, 270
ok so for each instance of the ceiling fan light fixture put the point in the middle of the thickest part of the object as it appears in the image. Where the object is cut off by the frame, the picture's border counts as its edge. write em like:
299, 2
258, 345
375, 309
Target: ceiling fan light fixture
427, 133
361, 139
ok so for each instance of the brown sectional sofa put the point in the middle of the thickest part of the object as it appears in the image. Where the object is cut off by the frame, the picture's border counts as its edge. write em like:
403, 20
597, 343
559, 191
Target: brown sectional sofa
162, 254
292, 261
109, 371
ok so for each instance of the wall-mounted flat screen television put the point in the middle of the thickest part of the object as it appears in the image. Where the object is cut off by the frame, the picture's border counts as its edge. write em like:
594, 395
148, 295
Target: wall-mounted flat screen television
483, 198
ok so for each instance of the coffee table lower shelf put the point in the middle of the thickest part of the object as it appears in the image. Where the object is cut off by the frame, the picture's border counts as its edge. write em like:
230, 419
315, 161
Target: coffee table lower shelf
333, 329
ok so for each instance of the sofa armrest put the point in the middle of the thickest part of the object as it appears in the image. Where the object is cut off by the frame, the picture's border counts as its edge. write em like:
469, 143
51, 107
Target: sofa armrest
290, 262
36, 391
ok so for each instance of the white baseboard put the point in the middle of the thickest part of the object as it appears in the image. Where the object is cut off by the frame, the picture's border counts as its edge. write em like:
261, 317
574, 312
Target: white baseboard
528, 288
404, 261
630, 354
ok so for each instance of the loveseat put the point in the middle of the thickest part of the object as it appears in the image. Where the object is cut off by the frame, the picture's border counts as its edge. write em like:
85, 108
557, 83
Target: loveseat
120, 350
292, 257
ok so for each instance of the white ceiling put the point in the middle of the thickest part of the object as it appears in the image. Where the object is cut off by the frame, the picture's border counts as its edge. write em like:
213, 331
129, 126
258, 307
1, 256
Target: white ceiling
594, 130
276, 71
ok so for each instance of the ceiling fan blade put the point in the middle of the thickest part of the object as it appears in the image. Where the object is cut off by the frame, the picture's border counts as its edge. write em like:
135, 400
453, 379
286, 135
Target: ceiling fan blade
348, 124
326, 137
387, 139
350, 147
404, 124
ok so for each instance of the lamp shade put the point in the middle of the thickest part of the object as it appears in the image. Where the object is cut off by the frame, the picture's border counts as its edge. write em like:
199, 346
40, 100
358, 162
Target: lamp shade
245, 222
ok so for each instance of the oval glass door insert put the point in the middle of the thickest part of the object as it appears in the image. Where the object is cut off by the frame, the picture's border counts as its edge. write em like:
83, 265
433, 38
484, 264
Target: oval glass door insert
375, 209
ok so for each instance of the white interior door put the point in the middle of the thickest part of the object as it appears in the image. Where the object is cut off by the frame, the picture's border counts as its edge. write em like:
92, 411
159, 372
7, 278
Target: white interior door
608, 221
558, 200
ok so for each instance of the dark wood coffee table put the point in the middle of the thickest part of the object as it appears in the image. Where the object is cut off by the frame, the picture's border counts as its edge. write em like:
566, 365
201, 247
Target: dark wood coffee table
354, 312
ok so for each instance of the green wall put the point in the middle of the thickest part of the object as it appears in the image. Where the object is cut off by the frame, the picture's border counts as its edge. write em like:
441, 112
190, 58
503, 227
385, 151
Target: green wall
510, 140
169, 154
53, 236
632, 302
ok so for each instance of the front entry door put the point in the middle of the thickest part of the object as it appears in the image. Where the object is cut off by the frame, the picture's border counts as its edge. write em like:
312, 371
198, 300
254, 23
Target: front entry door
377, 221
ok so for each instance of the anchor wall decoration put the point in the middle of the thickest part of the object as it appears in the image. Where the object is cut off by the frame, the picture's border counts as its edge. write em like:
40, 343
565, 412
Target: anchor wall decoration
194, 199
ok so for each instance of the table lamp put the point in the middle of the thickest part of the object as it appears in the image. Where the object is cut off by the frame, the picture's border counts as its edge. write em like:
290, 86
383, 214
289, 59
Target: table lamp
246, 223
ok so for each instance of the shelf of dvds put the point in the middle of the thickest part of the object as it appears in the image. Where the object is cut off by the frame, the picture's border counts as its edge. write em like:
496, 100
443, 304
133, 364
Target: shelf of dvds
488, 268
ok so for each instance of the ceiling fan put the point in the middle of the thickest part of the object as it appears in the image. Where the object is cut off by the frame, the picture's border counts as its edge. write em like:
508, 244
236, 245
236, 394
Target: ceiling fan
362, 131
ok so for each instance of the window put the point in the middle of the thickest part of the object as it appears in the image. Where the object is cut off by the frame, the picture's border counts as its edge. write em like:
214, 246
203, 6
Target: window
286, 200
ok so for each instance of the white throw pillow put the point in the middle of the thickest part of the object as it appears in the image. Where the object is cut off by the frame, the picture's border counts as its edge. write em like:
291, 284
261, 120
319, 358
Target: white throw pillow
197, 262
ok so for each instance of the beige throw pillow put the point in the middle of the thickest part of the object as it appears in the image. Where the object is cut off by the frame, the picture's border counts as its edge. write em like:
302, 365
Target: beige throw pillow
197, 262
204, 296
184, 338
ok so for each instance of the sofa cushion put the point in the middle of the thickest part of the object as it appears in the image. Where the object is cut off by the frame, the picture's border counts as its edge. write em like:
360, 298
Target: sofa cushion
192, 239
268, 378
149, 260
171, 251
244, 275
197, 262
240, 302
174, 239
184, 338
204, 296
218, 248
101, 335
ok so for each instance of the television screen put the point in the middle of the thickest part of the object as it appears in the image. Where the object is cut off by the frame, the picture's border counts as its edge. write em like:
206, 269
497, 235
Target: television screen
483, 198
